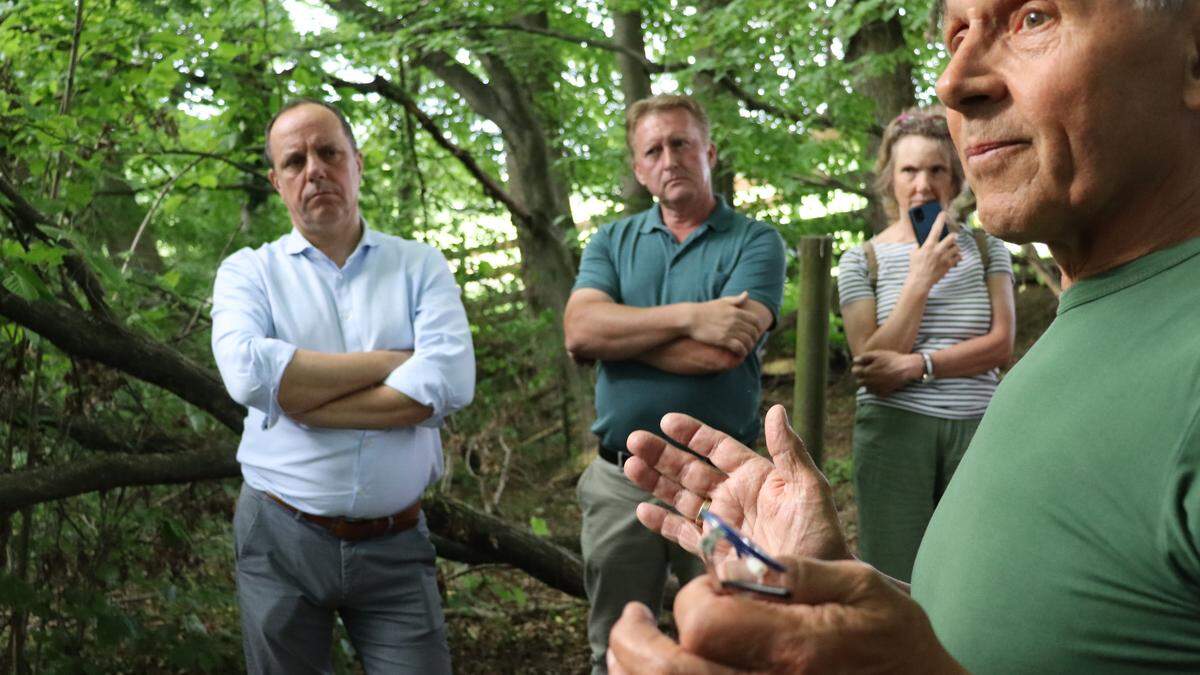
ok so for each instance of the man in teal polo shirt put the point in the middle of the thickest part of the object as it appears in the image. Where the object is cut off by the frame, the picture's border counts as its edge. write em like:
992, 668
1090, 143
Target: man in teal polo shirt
1069, 539
673, 303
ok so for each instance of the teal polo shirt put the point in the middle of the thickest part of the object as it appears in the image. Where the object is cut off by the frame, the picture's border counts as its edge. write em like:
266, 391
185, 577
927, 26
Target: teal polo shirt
638, 263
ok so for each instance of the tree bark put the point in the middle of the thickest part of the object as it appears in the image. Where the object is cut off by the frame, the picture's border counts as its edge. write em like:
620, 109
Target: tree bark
90, 337
892, 91
635, 85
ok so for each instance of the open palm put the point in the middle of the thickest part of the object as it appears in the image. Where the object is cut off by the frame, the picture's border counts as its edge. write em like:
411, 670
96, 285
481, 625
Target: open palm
784, 504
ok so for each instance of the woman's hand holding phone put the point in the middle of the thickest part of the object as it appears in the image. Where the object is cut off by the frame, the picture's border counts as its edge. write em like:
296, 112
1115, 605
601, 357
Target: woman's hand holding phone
930, 261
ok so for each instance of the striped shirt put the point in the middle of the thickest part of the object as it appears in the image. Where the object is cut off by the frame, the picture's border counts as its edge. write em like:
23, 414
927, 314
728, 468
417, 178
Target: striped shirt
958, 309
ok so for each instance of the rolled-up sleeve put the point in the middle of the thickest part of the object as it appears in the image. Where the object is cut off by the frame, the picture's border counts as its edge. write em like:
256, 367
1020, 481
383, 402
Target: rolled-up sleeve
251, 363
441, 372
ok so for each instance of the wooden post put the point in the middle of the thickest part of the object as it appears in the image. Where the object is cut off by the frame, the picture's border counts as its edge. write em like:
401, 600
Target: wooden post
812, 342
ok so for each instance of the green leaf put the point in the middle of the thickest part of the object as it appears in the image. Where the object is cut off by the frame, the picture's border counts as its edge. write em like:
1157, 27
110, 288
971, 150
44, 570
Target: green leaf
23, 281
538, 526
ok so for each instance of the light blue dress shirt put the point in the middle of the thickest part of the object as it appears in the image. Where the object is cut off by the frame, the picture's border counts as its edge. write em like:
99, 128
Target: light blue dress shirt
391, 294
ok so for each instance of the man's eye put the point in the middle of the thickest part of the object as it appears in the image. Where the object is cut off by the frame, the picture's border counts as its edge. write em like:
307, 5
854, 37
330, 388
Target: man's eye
1033, 19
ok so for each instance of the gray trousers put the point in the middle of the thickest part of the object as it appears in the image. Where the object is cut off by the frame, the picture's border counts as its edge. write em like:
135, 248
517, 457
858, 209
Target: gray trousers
622, 560
292, 576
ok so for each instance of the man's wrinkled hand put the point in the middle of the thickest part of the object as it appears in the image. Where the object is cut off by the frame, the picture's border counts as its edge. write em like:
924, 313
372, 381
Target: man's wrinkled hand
784, 504
637, 647
726, 323
843, 616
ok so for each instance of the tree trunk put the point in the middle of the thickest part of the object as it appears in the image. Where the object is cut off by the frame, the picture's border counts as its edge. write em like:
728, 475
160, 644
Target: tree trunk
635, 85
892, 91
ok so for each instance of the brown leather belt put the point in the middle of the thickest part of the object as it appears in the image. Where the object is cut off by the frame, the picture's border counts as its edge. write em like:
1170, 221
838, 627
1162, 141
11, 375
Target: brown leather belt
353, 529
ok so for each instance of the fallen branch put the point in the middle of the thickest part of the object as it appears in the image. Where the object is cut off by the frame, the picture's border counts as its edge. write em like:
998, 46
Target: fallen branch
92, 337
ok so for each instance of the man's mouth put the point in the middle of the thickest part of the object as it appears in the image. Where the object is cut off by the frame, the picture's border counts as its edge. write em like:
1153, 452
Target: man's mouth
988, 148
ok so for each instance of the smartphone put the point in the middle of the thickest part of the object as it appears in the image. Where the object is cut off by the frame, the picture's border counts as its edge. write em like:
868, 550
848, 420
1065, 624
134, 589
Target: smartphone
922, 218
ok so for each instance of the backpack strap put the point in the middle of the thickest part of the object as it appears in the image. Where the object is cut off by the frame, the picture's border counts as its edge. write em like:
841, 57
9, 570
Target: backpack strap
981, 243
872, 264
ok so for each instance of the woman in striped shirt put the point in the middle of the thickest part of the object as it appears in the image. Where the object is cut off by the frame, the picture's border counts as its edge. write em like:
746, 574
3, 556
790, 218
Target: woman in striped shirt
929, 327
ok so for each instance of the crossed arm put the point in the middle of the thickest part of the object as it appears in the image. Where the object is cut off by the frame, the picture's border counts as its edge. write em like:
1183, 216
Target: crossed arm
346, 391
379, 389
884, 360
692, 338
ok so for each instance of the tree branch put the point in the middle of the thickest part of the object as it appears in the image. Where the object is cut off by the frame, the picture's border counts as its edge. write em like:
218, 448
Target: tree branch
27, 219
821, 180
491, 186
476, 93
87, 336
605, 44
473, 536
80, 476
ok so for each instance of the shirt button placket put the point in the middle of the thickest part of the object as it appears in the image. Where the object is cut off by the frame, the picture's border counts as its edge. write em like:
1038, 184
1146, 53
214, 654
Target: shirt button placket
346, 313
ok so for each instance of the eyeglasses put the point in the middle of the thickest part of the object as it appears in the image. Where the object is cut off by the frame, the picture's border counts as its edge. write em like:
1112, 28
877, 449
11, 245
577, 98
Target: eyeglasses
757, 560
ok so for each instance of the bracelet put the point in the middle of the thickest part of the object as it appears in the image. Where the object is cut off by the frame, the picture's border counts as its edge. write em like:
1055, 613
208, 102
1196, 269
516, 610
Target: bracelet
927, 377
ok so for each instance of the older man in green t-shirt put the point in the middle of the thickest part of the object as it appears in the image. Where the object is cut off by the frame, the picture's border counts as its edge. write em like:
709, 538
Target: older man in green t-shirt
1069, 539
673, 303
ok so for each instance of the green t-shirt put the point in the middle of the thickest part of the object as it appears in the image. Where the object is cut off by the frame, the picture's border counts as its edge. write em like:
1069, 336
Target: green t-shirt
639, 263
1069, 539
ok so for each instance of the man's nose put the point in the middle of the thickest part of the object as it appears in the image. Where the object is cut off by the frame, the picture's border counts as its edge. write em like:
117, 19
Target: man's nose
971, 79
315, 168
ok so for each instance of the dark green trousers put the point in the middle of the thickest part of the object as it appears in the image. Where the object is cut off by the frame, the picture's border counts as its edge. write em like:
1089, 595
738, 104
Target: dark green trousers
902, 464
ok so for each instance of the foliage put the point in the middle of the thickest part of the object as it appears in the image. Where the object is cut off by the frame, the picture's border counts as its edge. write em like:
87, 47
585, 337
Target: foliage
145, 125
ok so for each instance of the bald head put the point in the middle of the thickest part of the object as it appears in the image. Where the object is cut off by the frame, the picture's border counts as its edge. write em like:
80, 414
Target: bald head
296, 103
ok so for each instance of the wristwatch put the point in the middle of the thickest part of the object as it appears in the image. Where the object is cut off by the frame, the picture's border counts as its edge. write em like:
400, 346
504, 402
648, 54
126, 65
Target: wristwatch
927, 376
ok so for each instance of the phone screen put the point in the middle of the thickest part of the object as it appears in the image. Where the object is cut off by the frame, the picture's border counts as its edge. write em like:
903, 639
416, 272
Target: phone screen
922, 218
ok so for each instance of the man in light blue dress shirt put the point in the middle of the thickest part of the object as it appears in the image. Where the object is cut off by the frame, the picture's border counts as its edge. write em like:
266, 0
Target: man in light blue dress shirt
348, 347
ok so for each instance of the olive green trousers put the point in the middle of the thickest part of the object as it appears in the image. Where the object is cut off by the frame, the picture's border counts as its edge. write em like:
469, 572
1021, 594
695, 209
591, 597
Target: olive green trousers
902, 463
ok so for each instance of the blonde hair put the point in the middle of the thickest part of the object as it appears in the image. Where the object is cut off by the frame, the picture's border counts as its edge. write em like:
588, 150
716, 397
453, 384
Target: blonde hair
925, 122
660, 103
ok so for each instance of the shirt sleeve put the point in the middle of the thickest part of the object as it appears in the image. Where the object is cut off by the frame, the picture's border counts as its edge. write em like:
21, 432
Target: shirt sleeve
441, 372
596, 268
760, 270
999, 257
250, 361
852, 281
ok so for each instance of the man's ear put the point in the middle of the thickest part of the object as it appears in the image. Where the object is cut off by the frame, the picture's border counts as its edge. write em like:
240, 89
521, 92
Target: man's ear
274, 181
712, 154
637, 174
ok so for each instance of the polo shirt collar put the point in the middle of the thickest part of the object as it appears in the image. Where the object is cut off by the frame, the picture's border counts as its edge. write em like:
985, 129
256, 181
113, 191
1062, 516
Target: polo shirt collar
296, 243
721, 218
